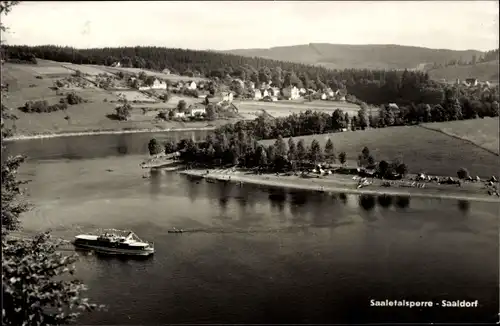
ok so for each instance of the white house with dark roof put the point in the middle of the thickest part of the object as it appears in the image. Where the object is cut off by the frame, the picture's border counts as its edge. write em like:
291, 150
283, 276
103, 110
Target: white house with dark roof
227, 96
190, 85
157, 84
257, 94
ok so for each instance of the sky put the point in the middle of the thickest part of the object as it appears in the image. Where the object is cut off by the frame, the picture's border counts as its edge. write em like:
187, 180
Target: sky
223, 25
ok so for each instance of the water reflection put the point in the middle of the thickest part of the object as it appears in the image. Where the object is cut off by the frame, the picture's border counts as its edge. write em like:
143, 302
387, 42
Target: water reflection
97, 146
277, 197
464, 206
367, 202
223, 192
343, 198
122, 146
193, 188
402, 201
384, 201
155, 182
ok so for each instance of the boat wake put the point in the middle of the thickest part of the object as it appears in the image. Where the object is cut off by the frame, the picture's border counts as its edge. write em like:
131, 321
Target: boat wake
286, 229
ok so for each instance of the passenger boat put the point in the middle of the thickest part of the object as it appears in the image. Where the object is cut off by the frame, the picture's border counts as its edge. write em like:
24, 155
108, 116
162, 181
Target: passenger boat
112, 242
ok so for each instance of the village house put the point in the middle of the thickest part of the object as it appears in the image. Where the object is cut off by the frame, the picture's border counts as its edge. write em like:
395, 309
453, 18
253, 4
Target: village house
227, 96
329, 92
197, 110
264, 93
157, 84
302, 91
116, 64
251, 85
324, 96
257, 94
166, 71
179, 114
190, 85
276, 91
291, 93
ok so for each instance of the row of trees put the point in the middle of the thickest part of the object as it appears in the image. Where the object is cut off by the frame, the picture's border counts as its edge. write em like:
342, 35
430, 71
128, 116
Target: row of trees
486, 57
245, 151
43, 106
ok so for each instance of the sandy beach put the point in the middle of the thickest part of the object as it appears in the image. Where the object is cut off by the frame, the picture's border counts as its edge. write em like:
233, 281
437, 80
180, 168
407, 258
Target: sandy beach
346, 184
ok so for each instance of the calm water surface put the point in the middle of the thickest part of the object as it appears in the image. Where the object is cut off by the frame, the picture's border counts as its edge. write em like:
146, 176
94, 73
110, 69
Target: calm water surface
258, 255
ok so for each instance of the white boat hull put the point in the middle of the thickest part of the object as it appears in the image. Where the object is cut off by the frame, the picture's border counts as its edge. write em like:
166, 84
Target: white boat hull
116, 251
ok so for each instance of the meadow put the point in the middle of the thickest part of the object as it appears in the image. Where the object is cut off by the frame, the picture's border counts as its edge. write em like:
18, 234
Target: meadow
27, 83
86, 69
174, 78
422, 149
485, 71
480, 132
286, 108
131, 96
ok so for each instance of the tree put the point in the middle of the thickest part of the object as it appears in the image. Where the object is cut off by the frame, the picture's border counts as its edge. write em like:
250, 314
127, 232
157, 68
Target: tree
338, 120
315, 152
292, 150
123, 112
33, 276
280, 147
170, 146
36, 285
142, 76
402, 169
362, 118
370, 160
301, 150
342, 157
261, 157
383, 168
149, 81
365, 152
181, 106
329, 151
5, 8
270, 151
354, 123
463, 173
154, 147
210, 113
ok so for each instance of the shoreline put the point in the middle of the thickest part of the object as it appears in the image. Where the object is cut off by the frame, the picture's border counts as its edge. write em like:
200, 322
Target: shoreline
102, 132
334, 185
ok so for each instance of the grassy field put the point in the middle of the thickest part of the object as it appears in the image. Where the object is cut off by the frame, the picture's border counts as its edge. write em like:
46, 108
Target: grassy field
481, 132
486, 71
286, 108
423, 150
91, 116
86, 69
131, 96
171, 77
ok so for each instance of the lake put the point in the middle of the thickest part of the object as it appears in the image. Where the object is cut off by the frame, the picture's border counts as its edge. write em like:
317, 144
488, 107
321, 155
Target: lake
256, 254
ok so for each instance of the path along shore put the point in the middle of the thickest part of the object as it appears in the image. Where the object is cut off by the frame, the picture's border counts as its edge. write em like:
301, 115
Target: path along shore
346, 184
102, 132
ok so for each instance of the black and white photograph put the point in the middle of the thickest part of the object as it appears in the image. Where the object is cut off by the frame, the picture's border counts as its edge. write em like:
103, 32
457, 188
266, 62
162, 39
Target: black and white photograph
250, 162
